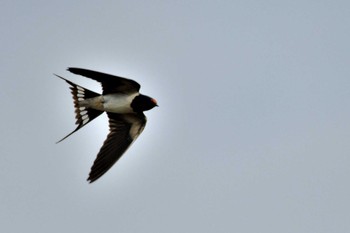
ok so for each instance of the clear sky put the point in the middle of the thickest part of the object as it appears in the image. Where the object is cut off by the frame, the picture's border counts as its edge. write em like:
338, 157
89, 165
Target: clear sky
252, 133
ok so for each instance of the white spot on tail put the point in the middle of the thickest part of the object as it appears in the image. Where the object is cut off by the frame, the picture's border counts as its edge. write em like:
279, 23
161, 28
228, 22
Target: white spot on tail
80, 89
85, 121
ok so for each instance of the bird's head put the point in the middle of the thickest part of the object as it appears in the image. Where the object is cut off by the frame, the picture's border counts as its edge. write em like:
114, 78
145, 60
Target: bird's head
143, 103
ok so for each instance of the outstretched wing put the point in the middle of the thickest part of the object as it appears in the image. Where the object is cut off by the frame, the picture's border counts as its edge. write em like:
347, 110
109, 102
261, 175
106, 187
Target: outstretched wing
124, 129
110, 83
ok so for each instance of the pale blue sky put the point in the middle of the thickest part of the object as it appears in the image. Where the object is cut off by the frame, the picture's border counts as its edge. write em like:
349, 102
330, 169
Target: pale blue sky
252, 133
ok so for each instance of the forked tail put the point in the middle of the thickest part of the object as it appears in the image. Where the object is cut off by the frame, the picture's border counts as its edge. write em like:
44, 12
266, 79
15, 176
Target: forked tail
83, 115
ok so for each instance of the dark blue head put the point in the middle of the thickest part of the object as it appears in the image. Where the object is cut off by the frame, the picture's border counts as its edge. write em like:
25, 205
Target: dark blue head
143, 103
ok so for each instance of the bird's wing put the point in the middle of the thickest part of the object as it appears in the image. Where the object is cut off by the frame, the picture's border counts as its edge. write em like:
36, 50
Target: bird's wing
124, 129
110, 83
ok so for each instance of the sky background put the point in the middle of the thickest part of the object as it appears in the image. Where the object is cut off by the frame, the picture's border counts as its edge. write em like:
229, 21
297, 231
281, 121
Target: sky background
252, 133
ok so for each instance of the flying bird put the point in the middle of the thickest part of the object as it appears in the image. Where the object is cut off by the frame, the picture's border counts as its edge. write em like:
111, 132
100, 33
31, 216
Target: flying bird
124, 105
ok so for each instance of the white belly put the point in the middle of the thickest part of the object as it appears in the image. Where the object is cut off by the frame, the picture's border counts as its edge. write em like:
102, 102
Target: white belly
117, 103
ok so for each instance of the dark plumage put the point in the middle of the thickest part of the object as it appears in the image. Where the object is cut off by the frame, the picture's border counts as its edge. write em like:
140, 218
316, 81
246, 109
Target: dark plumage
124, 106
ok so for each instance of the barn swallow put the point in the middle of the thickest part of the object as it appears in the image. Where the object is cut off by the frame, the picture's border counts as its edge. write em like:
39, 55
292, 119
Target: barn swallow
124, 106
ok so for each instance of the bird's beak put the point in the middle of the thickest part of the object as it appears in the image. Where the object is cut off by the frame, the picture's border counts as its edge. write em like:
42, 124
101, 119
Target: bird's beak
155, 102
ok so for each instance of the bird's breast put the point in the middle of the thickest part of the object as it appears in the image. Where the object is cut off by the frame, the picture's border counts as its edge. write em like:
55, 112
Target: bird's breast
118, 103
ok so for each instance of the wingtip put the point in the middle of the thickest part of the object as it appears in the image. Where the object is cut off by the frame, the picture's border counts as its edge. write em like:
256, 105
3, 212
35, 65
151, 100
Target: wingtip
93, 177
72, 70
90, 180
